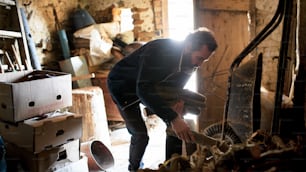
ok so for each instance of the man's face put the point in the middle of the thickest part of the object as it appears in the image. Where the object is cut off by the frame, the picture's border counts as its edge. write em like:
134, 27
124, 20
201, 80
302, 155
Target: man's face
199, 56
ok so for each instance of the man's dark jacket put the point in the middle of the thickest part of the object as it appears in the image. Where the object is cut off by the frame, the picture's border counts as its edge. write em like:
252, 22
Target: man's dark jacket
135, 77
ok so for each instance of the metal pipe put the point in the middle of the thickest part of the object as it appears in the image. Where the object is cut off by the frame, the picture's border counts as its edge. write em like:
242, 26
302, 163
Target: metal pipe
282, 63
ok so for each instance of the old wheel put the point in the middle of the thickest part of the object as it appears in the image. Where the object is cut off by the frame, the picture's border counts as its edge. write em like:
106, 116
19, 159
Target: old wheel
215, 131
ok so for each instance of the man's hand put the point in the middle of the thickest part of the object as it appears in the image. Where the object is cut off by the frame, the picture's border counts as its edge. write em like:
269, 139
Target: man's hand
178, 107
179, 126
182, 130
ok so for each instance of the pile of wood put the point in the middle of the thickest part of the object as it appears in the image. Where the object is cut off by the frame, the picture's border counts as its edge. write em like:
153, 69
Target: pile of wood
261, 152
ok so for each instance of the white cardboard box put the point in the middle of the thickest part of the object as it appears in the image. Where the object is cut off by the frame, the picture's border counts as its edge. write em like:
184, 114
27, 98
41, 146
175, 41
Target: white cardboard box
77, 166
36, 135
69, 152
26, 94
77, 66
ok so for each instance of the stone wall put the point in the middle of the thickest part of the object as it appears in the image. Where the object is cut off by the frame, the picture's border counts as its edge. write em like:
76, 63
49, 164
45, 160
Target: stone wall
46, 17
270, 47
264, 11
148, 24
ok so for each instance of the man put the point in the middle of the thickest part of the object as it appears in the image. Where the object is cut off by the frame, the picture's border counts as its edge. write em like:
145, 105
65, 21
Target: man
137, 77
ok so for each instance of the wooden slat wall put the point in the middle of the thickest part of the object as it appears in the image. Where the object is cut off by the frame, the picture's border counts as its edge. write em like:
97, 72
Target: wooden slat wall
229, 21
231, 5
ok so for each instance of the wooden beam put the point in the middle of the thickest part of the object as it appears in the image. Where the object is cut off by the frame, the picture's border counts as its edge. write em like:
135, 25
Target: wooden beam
7, 2
227, 5
81, 77
9, 34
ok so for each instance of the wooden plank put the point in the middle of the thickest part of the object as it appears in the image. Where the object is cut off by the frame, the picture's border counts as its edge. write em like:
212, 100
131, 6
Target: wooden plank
7, 2
9, 34
81, 77
17, 56
22, 19
9, 60
112, 112
228, 5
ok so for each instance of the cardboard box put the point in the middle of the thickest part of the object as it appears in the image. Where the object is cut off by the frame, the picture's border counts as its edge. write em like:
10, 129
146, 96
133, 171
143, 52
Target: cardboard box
26, 94
19, 159
36, 135
78, 166
77, 66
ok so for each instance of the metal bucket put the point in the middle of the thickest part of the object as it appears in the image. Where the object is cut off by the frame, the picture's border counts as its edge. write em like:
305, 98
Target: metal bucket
99, 156
81, 18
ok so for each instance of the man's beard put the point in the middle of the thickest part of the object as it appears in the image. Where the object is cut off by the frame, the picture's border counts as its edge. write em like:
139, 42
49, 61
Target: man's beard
187, 66
187, 61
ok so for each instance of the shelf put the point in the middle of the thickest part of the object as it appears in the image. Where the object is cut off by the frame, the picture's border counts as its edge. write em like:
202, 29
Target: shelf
13, 42
10, 34
7, 2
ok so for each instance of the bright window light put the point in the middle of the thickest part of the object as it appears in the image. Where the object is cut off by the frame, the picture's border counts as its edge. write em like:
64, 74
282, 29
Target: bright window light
192, 82
190, 118
180, 18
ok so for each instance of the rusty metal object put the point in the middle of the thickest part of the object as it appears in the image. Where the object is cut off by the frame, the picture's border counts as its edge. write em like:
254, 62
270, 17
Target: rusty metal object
99, 156
222, 131
244, 100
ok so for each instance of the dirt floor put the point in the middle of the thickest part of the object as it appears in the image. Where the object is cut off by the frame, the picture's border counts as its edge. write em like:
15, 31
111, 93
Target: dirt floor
155, 152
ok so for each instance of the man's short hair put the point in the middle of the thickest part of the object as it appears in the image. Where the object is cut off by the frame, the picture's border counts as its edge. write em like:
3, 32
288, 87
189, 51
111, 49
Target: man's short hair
202, 36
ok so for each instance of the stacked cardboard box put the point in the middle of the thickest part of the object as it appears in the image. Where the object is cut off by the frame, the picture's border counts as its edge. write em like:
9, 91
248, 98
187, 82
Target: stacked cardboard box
38, 133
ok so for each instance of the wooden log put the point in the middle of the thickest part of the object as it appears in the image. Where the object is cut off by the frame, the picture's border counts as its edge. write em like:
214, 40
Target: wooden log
89, 102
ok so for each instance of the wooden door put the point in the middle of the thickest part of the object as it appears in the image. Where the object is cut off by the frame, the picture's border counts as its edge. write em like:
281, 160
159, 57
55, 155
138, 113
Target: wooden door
228, 19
